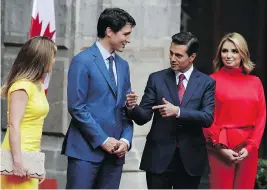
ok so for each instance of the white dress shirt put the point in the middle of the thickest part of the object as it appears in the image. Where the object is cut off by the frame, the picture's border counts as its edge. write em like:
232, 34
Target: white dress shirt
105, 54
187, 75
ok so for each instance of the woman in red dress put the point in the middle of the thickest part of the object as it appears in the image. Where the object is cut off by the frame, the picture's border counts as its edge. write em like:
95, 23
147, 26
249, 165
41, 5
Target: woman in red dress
239, 119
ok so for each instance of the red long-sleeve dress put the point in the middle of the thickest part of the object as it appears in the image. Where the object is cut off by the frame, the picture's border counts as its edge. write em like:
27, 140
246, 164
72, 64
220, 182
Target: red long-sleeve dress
240, 110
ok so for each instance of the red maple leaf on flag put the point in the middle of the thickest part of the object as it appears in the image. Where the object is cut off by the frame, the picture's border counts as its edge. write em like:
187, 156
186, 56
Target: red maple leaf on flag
36, 28
47, 32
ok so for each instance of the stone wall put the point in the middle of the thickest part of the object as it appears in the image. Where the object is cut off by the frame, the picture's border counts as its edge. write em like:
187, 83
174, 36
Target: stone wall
157, 21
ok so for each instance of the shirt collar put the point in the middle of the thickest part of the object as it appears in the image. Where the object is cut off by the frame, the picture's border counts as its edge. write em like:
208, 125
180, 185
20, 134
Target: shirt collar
187, 74
105, 54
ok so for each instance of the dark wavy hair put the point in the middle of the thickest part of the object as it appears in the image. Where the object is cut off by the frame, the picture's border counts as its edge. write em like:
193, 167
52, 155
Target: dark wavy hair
114, 18
188, 39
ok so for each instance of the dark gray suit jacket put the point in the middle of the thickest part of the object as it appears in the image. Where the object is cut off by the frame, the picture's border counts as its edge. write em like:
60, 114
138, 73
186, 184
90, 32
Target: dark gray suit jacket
196, 112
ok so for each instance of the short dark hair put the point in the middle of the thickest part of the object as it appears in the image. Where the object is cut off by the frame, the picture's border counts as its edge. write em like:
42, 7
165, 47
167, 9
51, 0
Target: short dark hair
115, 18
188, 39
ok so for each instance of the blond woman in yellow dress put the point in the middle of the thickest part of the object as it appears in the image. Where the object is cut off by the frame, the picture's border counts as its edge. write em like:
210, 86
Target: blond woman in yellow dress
27, 106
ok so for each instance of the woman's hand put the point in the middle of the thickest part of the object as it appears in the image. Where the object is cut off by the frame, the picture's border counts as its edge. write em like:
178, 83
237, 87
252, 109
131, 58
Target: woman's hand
243, 153
229, 154
19, 170
42, 178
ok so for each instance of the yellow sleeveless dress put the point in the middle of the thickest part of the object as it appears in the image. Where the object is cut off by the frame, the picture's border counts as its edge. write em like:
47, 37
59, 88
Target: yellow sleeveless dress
31, 129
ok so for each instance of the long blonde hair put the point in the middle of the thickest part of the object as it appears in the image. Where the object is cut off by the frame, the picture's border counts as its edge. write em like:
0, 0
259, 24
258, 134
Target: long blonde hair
33, 60
239, 41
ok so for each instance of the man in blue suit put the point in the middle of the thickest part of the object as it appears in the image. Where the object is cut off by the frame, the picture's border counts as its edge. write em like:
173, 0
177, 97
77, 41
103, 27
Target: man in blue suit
99, 133
182, 101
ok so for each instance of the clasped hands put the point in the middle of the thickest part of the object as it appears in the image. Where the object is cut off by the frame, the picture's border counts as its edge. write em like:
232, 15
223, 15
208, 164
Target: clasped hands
233, 156
114, 146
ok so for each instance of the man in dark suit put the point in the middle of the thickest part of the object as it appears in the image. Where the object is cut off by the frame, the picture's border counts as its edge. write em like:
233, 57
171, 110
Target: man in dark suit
182, 101
99, 133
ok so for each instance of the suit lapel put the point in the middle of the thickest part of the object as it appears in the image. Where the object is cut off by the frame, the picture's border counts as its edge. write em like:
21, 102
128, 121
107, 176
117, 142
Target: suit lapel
119, 78
170, 80
191, 87
102, 67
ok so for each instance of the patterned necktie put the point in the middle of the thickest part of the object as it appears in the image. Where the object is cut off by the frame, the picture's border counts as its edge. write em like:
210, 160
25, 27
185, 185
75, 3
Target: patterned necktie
111, 73
181, 88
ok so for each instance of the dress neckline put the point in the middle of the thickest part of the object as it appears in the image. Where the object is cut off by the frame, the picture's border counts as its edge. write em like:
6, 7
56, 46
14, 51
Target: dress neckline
232, 71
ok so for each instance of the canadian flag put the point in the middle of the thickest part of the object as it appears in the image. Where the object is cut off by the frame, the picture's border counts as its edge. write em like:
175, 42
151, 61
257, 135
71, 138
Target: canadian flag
43, 24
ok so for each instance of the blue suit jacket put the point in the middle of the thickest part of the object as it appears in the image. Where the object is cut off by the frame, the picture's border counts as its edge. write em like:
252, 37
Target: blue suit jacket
97, 111
196, 112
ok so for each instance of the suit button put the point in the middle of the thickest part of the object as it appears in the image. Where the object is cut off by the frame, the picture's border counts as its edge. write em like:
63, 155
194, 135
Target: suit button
179, 125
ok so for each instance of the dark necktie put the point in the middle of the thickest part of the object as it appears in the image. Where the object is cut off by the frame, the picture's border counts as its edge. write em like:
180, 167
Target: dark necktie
111, 73
181, 88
